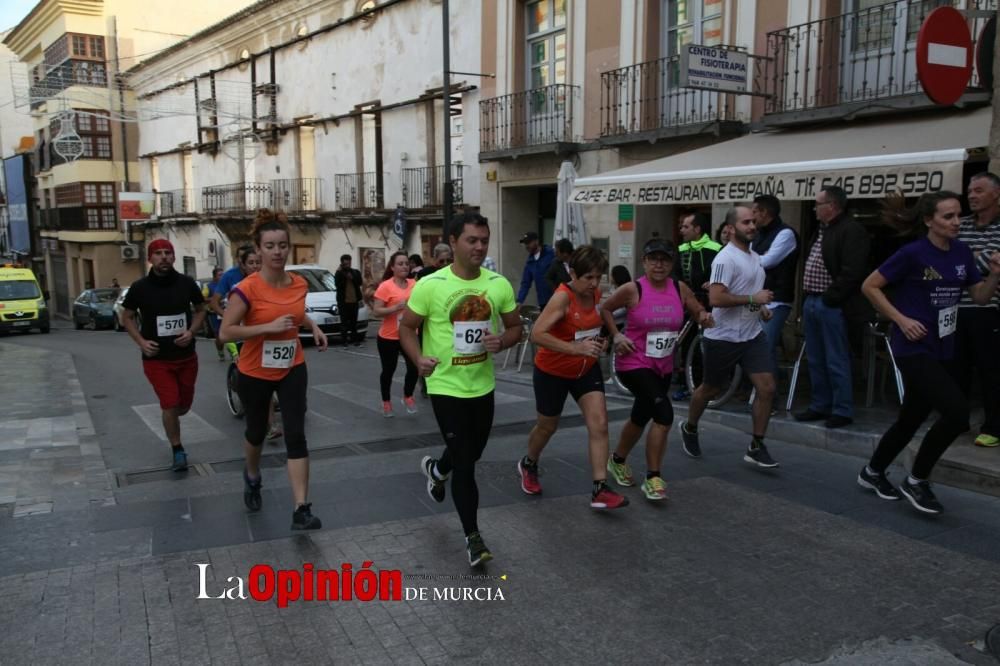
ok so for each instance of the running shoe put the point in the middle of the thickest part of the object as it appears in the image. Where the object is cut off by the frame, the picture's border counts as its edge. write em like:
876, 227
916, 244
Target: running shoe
180, 460
759, 456
410, 404
435, 486
387, 409
234, 351
921, 496
222, 355
251, 492
478, 552
689, 441
605, 498
654, 488
303, 519
988, 441
879, 483
275, 431
620, 472
529, 477
683, 395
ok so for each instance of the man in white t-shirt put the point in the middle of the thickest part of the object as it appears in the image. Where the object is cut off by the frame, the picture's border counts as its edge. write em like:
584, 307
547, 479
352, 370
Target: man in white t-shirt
737, 295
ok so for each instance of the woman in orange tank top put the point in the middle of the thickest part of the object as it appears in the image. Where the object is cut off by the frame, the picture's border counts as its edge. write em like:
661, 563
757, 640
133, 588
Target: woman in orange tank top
266, 310
569, 334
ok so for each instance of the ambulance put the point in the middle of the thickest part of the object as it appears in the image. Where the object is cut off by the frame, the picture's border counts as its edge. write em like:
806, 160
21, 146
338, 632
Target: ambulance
22, 306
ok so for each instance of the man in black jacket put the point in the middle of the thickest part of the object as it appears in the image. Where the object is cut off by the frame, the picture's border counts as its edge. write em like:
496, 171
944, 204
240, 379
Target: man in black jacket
778, 247
558, 272
348, 283
835, 268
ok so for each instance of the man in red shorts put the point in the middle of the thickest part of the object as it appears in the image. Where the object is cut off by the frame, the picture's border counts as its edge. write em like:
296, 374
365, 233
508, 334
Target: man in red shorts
165, 300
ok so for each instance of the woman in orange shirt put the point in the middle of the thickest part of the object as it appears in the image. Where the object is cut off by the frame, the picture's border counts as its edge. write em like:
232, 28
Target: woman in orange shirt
390, 301
266, 311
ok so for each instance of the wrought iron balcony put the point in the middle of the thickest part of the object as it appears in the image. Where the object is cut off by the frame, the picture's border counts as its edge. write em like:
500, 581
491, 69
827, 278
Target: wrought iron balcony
644, 101
358, 191
236, 198
860, 62
424, 187
171, 203
298, 195
538, 117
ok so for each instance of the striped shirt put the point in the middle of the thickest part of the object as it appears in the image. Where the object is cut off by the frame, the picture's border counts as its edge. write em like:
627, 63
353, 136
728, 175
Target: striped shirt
979, 239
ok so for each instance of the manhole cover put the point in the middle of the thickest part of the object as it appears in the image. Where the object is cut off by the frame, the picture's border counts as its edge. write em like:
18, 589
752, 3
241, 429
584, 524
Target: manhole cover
993, 640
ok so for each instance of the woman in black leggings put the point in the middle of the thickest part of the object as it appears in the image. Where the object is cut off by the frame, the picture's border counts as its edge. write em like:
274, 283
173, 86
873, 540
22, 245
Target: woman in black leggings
390, 301
927, 277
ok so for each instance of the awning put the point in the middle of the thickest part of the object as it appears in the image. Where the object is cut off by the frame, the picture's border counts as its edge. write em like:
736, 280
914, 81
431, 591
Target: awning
867, 160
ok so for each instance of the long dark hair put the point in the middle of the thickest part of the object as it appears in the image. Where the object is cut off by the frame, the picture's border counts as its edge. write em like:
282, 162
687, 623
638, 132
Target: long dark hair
910, 221
387, 273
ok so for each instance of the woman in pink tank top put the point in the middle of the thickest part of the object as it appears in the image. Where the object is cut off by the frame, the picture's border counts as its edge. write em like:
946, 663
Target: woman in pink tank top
655, 305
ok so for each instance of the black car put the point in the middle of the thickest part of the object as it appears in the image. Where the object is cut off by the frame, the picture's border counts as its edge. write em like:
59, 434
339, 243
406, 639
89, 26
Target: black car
95, 308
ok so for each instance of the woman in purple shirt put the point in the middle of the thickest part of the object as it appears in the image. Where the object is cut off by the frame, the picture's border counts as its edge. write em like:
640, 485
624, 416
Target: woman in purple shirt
927, 277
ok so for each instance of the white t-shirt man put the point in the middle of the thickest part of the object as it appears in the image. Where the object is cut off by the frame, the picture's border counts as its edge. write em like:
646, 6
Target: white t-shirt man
741, 273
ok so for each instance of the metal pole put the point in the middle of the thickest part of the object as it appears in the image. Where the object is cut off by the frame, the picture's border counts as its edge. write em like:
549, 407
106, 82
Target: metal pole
446, 128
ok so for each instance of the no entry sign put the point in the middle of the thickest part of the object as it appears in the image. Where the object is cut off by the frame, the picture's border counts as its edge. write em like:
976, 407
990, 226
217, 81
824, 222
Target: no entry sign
944, 55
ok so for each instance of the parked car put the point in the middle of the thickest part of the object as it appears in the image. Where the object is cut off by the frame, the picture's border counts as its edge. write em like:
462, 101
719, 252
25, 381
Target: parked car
95, 308
321, 301
117, 309
22, 302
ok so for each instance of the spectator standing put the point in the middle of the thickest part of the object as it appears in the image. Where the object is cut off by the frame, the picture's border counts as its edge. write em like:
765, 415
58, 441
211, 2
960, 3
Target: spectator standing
834, 271
696, 254
540, 257
778, 247
348, 282
558, 272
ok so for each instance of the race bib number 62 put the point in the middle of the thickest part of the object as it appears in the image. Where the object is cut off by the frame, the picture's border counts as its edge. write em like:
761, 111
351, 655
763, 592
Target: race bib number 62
469, 336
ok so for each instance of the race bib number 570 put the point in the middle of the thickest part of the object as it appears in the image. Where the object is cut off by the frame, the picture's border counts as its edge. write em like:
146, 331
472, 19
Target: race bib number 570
469, 336
168, 326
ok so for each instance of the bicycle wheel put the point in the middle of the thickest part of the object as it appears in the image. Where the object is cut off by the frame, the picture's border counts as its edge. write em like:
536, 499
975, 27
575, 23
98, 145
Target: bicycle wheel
232, 396
693, 374
613, 371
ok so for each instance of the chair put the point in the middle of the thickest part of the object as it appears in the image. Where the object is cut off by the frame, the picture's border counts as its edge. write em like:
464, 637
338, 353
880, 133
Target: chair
876, 334
522, 344
795, 367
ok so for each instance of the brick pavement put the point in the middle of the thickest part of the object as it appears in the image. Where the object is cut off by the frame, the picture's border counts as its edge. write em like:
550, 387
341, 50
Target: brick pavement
719, 574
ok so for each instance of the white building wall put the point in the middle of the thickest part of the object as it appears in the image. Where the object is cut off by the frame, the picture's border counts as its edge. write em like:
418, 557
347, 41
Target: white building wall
13, 124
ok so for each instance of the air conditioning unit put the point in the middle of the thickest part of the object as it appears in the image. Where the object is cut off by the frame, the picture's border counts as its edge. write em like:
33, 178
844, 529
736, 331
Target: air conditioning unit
212, 247
130, 253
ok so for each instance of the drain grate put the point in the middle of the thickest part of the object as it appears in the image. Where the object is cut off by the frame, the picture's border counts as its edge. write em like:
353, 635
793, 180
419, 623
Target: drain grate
164, 474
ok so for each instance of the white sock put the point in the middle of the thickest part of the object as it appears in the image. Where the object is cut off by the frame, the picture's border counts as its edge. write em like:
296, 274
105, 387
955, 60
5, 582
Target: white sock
435, 473
913, 479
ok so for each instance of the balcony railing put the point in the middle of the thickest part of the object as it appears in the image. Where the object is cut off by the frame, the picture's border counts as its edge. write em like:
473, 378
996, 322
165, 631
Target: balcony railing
357, 191
645, 98
859, 58
170, 203
424, 187
297, 195
535, 117
236, 198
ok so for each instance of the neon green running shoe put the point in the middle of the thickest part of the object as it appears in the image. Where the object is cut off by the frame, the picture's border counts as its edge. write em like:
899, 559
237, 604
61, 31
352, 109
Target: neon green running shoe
654, 488
234, 351
988, 441
621, 473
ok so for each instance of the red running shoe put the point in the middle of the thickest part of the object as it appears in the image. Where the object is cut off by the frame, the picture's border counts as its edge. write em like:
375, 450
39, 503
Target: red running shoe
605, 498
529, 478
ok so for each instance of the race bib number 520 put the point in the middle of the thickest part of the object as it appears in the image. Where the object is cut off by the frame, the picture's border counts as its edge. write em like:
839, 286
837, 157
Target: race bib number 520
168, 326
279, 353
469, 336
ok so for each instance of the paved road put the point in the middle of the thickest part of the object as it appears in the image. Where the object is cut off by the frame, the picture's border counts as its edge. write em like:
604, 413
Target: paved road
738, 566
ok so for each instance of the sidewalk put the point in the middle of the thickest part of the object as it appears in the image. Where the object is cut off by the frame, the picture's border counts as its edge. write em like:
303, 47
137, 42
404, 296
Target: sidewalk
50, 459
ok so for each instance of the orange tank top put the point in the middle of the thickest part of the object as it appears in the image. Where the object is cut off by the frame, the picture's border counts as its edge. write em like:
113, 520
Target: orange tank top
271, 356
578, 324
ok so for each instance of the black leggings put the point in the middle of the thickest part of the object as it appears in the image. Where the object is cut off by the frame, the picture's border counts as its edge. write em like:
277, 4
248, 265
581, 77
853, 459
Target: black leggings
465, 424
652, 397
389, 351
255, 394
928, 385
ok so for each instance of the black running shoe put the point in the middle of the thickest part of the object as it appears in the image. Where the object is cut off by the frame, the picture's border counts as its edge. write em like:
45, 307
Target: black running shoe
435, 486
921, 496
303, 519
759, 456
689, 441
251, 492
478, 552
879, 483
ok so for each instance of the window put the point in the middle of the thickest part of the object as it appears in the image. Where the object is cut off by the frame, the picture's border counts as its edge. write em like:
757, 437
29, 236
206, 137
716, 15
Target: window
691, 22
94, 128
546, 41
87, 46
90, 194
875, 21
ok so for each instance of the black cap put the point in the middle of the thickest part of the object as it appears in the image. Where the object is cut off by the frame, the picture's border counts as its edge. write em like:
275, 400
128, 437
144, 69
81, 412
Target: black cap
528, 237
654, 245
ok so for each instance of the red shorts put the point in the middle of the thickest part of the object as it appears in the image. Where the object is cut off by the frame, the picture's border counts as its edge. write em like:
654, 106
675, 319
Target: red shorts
173, 381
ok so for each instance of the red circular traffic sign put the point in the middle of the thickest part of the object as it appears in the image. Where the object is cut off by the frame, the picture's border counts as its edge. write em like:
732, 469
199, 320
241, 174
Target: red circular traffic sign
944, 55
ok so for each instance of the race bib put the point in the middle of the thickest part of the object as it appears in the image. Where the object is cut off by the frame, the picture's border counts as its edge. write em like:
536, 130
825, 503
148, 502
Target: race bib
168, 326
588, 334
469, 336
279, 353
660, 344
947, 320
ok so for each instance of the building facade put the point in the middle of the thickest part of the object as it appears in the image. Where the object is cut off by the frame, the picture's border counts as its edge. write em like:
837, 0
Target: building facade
84, 128
331, 112
599, 84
